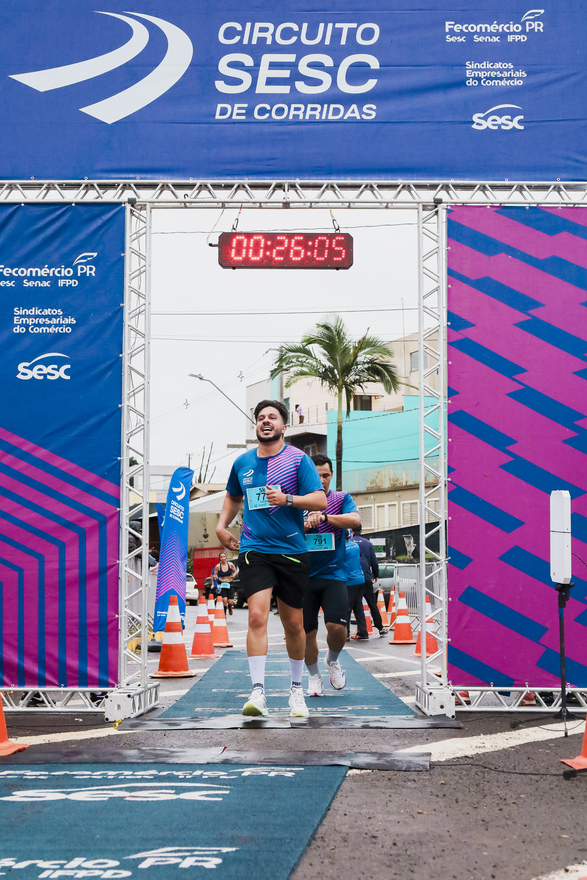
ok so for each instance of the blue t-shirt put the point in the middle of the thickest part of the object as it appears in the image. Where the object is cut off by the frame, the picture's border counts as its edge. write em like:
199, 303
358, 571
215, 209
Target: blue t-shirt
273, 529
354, 572
331, 563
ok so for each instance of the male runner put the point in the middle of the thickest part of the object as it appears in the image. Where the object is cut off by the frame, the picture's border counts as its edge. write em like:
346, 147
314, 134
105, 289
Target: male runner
278, 483
327, 588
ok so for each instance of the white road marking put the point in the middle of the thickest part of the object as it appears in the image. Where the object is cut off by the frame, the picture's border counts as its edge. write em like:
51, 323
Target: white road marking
397, 674
70, 735
572, 872
478, 745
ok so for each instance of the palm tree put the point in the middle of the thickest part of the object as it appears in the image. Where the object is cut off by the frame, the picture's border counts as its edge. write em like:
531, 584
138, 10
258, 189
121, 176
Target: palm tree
344, 367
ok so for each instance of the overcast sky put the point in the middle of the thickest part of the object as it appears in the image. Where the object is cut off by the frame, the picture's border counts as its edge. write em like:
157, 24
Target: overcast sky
227, 327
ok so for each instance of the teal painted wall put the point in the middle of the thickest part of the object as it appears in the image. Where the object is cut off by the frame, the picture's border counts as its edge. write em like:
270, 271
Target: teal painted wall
375, 440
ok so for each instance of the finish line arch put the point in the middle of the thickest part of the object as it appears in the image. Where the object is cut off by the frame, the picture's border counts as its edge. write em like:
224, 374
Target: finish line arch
133, 693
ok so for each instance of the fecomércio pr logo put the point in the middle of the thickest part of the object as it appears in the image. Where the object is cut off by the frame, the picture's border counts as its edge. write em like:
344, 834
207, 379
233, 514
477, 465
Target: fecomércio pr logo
499, 121
122, 104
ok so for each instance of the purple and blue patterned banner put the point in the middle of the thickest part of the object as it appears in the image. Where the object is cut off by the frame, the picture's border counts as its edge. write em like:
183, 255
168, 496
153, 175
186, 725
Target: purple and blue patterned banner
61, 319
517, 417
174, 544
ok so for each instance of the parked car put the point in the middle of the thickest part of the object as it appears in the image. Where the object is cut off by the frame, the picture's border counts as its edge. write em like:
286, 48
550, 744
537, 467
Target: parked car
386, 580
191, 589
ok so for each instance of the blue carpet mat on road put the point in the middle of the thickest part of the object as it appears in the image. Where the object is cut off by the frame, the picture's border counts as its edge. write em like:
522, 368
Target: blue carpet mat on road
224, 688
114, 820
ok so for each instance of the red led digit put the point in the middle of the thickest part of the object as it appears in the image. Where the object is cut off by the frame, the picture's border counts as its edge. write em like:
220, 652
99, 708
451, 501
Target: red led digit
239, 248
338, 248
321, 248
256, 248
296, 252
282, 248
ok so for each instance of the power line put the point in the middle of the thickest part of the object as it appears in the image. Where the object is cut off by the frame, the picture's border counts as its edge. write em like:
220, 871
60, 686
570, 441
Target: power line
240, 312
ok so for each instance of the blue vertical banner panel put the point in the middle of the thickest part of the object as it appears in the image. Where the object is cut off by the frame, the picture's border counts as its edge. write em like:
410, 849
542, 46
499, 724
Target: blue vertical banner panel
174, 546
61, 321
358, 89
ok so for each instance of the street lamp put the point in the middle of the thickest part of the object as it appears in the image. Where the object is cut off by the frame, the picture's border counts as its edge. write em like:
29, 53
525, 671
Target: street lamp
203, 379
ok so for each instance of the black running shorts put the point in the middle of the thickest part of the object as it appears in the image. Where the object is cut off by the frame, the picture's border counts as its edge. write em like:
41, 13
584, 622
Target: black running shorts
331, 596
286, 574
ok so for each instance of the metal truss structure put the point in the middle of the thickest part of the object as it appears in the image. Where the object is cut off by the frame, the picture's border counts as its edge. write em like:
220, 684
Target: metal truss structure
434, 693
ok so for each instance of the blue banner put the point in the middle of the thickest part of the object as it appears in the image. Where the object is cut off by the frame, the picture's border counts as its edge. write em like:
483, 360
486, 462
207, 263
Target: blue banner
354, 89
61, 323
174, 544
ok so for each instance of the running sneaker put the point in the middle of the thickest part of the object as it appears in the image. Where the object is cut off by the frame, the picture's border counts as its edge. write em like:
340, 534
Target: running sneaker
256, 704
337, 676
315, 686
297, 704
357, 638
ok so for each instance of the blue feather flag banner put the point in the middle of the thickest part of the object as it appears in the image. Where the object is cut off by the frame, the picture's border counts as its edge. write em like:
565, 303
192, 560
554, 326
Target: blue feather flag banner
173, 557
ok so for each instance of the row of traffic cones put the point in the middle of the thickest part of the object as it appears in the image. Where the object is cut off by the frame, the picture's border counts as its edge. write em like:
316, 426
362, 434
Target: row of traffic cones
399, 621
209, 634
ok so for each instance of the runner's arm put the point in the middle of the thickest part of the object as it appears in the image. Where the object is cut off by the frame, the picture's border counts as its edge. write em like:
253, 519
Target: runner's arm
340, 520
229, 510
312, 501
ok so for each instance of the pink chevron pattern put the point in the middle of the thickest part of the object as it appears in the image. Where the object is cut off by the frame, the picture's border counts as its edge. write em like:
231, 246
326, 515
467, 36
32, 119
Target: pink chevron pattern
517, 423
282, 470
59, 536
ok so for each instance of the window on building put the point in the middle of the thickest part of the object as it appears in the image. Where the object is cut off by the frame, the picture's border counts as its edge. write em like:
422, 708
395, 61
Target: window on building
363, 402
367, 518
409, 513
415, 361
311, 449
433, 504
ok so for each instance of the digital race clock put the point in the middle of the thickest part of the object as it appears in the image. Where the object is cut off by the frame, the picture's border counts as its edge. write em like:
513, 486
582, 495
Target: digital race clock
285, 250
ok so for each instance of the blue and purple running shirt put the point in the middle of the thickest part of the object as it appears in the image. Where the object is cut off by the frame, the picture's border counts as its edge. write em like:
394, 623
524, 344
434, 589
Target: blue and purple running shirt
273, 529
331, 564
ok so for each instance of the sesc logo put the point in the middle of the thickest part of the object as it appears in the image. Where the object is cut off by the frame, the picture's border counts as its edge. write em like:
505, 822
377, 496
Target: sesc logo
43, 367
505, 122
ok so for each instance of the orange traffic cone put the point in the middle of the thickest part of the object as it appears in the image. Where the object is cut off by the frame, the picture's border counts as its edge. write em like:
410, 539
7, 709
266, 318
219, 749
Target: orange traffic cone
211, 611
431, 643
393, 608
173, 662
580, 762
402, 634
7, 747
381, 607
220, 637
368, 620
391, 601
203, 646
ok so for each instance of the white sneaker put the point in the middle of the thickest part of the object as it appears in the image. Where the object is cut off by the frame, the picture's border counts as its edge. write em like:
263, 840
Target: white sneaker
337, 676
256, 704
315, 686
297, 704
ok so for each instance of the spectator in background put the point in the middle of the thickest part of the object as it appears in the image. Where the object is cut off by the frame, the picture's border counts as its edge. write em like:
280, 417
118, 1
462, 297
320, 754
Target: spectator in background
300, 413
355, 580
370, 568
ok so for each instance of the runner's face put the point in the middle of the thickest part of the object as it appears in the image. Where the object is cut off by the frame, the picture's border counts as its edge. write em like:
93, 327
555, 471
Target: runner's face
270, 426
325, 475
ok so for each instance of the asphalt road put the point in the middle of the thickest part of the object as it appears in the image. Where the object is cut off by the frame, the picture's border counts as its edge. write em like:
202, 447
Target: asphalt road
493, 805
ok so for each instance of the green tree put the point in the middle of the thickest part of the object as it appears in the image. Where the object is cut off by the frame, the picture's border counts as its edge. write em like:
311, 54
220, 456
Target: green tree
343, 366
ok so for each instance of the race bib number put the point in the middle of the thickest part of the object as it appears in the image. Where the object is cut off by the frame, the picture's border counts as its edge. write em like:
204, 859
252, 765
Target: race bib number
320, 541
257, 497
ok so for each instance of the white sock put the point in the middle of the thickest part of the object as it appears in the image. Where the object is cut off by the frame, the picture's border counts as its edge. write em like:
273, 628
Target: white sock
296, 668
257, 670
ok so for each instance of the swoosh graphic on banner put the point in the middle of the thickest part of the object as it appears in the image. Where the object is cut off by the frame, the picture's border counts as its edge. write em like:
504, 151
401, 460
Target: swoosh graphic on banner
181, 490
69, 74
175, 63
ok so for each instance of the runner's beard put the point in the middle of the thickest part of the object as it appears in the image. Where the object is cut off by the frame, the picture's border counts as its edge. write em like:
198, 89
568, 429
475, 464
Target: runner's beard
268, 438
